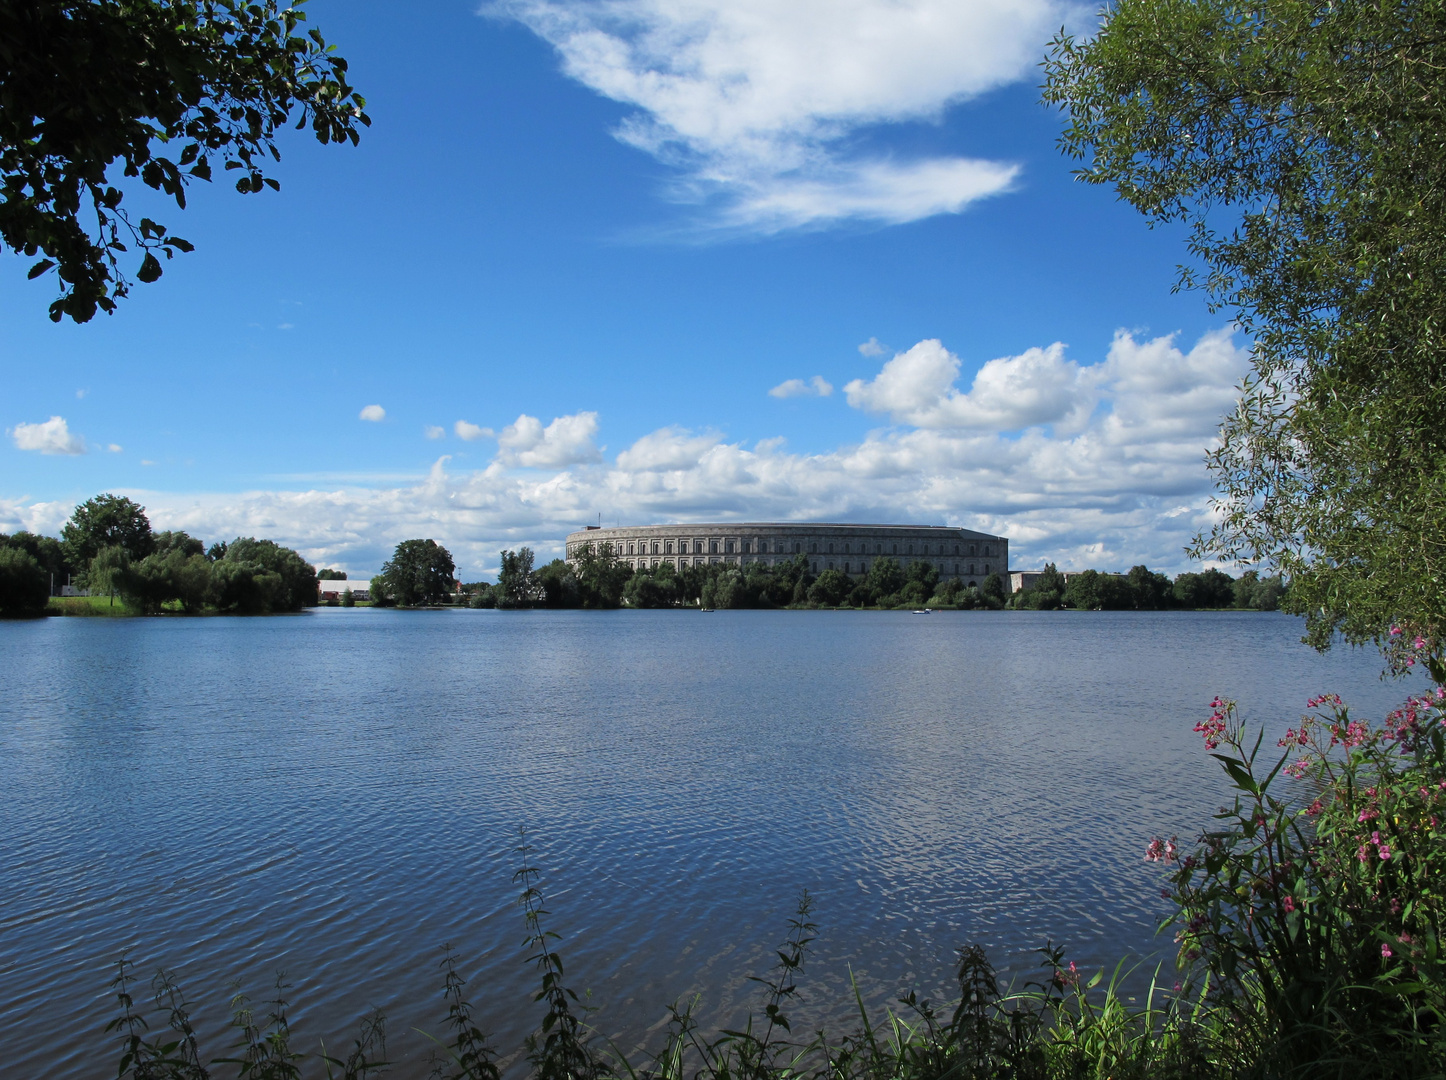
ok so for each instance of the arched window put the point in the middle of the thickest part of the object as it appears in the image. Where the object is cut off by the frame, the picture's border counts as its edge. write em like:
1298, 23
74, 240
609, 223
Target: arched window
986, 568
956, 549
812, 548
895, 549
830, 551
986, 549
713, 547
797, 547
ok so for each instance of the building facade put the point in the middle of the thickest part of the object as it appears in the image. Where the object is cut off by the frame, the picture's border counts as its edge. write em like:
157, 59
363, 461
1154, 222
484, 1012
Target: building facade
962, 553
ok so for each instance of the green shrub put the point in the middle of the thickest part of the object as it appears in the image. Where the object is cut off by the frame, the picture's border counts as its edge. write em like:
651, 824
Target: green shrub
24, 584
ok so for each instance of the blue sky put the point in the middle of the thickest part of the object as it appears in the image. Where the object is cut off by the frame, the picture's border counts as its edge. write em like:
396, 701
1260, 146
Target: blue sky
592, 238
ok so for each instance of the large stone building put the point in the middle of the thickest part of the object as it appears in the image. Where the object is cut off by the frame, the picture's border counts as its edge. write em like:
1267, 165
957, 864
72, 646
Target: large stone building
958, 553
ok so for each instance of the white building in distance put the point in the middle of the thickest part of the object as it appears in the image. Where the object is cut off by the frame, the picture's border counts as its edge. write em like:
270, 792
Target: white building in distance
962, 553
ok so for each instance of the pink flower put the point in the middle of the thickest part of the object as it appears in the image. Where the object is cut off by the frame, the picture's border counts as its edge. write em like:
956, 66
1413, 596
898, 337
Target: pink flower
1385, 951
1161, 850
1419, 642
1289, 904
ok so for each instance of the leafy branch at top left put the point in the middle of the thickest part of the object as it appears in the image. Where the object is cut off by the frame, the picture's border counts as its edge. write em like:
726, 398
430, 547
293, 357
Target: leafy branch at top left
162, 91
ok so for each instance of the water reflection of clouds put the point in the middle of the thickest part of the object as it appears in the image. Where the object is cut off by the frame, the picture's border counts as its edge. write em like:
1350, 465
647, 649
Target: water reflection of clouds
339, 794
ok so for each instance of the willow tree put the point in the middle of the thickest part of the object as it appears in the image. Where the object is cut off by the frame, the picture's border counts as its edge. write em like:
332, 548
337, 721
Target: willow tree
1302, 145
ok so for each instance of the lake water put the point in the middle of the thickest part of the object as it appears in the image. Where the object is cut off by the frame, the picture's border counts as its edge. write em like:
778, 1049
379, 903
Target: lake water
337, 794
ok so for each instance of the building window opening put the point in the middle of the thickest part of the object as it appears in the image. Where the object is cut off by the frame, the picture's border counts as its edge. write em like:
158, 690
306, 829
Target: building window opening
830, 551
986, 549
713, 547
668, 547
728, 546
895, 550
986, 568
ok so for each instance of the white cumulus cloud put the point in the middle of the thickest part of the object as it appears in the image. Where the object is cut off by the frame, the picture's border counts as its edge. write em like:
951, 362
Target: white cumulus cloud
374, 413
568, 440
1150, 385
873, 347
754, 101
1119, 483
471, 432
817, 386
50, 437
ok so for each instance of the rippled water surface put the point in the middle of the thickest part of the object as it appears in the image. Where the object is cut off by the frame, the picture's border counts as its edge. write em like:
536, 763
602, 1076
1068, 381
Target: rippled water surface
337, 794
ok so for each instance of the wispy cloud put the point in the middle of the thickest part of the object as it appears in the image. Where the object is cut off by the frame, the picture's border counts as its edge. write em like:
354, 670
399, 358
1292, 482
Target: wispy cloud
53, 436
374, 413
754, 102
817, 386
873, 347
432, 431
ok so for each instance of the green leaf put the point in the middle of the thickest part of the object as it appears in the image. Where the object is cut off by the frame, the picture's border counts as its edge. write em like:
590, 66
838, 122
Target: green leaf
40, 268
150, 269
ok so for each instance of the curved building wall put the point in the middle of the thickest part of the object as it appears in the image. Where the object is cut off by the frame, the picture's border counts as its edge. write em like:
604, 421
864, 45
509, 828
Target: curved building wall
960, 553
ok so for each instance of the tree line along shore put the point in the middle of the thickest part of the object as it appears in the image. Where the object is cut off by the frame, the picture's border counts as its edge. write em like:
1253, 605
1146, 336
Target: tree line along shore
116, 564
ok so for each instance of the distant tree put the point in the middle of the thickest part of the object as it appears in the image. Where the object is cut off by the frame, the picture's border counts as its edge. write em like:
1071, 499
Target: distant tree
377, 590
1258, 593
257, 576
46, 550
106, 521
331, 575
181, 575
1083, 591
479, 595
163, 543
861, 596
831, 588
993, 590
558, 585
660, 586
948, 591
97, 90
514, 579
419, 572
1148, 590
1211, 589
1047, 592
24, 583
885, 577
348, 598
108, 571
601, 577
216, 551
